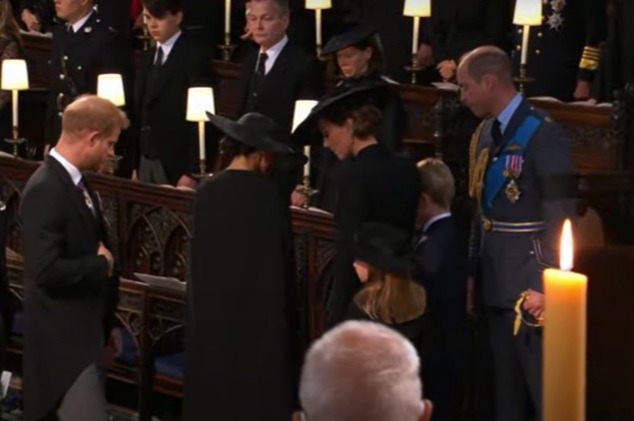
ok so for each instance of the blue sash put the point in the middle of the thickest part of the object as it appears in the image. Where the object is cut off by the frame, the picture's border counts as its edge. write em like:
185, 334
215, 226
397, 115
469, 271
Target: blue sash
494, 179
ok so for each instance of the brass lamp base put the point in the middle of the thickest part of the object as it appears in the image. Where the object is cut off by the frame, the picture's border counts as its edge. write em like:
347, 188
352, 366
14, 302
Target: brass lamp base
15, 141
414, 68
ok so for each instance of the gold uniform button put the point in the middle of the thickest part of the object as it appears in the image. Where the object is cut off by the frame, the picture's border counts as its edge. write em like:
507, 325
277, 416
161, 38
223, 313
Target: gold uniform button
540, 34
538, 52
487, 224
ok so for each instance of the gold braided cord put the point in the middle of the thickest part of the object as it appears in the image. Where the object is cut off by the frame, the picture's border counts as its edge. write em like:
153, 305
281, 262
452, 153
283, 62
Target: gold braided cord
473, 147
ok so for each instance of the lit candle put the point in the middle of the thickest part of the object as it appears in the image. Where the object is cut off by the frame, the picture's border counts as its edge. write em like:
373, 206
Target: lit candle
307, 164
227, 16
201, 140
525, 33
564, 338
14, 107
415, 35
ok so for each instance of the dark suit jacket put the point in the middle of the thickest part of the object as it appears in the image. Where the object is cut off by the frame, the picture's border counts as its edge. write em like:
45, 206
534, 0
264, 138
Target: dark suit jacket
459, 26
374, 186
5, 301
77, 59
294, 75
175, 139
441, 255
510, 263
67, 290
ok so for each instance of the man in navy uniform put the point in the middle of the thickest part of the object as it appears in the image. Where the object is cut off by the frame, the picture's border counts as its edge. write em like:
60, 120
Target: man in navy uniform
82, 49
522, 179
564, 50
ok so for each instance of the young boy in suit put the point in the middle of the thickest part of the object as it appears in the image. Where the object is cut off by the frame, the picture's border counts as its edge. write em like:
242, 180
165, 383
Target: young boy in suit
441, 254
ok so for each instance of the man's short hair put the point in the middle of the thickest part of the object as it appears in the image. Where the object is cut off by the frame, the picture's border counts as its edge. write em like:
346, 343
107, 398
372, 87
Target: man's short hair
489, 60
436, 181
361, 371
282, 5
160, 8
90, 113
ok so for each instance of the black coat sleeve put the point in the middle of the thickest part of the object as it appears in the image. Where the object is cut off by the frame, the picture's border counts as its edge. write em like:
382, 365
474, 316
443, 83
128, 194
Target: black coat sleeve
44, 237
595, 25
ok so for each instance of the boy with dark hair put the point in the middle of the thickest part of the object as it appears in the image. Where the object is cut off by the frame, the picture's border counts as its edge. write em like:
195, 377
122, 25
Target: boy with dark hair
167, 144
441, 253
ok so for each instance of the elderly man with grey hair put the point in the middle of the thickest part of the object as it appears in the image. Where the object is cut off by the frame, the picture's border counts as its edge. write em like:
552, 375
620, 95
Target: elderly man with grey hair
362, 371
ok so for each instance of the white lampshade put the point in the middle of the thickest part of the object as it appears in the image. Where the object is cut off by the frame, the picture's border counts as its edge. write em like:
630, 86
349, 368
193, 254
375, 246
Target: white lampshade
318, 4
528, 12
15, 76
420, 8
303, 107
110, 87
199, 102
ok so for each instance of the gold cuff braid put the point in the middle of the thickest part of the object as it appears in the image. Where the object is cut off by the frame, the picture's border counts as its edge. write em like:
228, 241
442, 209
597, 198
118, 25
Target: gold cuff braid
590, 58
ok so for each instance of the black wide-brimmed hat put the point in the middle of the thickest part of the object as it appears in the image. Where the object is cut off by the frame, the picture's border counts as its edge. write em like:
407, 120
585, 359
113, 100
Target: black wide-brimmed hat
370, 91
255, 130
384, 247
350, 33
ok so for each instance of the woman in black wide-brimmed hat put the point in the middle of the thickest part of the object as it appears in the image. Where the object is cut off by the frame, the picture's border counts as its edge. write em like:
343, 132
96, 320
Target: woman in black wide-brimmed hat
240, 362
372, 184
355, 56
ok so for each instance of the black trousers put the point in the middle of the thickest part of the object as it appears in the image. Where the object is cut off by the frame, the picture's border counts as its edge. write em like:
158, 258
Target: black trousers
517, 367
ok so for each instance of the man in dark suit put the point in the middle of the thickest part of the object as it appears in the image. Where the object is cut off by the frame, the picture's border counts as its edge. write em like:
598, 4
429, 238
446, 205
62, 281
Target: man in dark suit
69, 283
523, 182
277, 72
167, 147
82, 49
441, 254
458, 27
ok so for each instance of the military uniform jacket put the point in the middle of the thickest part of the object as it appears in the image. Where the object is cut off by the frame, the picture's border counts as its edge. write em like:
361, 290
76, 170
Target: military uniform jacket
77, 59
565, 48
508, 261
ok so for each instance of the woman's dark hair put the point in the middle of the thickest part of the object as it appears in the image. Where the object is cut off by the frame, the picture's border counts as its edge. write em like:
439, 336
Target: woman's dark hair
376, 65
230, 149
160, 8
364, 112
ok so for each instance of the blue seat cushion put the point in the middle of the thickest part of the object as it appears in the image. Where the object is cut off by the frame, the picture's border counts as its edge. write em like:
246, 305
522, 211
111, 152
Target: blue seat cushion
129, 349
17, 327
170, 365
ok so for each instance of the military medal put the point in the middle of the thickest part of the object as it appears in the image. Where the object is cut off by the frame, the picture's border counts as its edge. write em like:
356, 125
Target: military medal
555, 19
512, 191
512, 171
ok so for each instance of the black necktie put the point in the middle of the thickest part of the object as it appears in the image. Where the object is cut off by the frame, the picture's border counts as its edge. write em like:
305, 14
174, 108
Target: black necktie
261, 69
496, 133
158, 62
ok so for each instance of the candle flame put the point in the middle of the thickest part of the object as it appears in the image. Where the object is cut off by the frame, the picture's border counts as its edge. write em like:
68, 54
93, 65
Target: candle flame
566, 250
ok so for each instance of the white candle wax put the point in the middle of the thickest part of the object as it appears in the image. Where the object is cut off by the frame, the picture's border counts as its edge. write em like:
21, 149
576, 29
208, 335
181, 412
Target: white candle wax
14, 107
227, 16
201, 140
415, 35
525, 34
318, 26
307, 164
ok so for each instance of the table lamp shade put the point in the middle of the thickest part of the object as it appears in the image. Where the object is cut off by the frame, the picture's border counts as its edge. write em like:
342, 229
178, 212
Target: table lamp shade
199, 102
417, 8
303, 107
15, 76
110, 87
528, 12
318, 4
